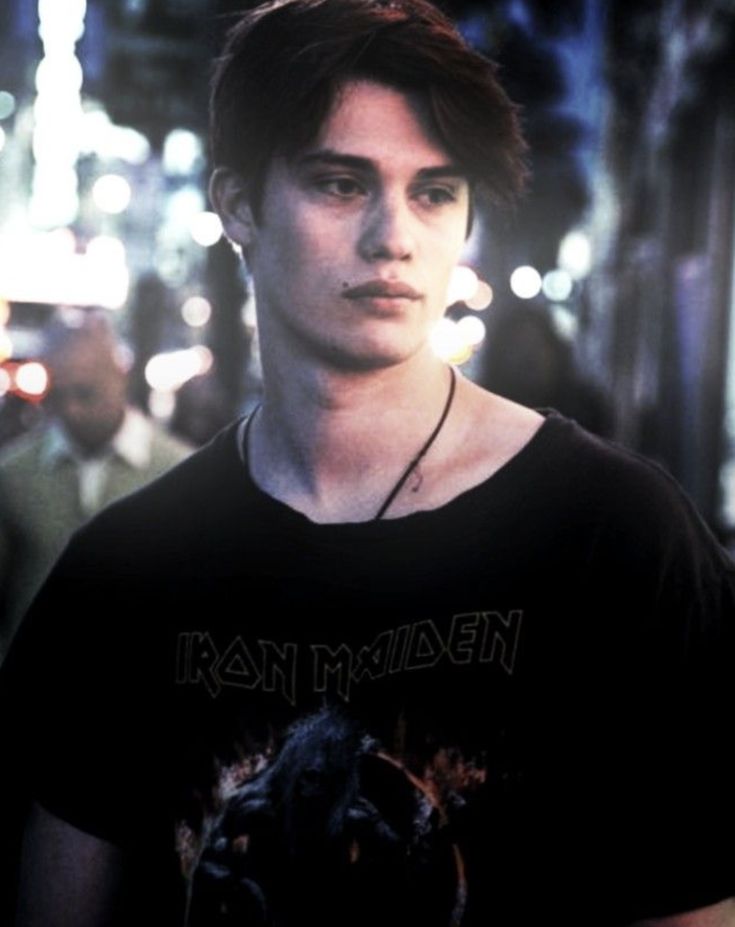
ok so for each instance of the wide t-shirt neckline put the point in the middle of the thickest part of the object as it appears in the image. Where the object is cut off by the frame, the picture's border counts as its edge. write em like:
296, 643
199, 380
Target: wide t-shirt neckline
518, 469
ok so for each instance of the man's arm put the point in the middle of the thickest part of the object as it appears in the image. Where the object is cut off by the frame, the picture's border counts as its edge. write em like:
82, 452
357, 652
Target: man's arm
68, 878
721, 914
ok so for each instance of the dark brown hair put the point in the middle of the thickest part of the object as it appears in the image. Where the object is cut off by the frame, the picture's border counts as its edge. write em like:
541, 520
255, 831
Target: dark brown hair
284, 61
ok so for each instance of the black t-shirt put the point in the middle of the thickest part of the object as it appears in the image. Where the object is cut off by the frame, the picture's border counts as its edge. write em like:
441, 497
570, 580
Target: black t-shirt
511, 708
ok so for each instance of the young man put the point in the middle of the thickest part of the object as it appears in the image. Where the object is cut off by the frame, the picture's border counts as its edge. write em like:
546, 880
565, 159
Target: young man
394, 649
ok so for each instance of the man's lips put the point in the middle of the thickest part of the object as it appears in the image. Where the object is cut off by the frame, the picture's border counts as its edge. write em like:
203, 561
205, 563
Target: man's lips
381, 289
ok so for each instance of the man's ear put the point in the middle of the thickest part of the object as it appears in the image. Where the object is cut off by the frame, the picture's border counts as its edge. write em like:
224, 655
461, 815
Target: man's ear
229, 196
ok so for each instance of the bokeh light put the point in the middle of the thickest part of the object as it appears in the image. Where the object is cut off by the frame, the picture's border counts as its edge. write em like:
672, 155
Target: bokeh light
32, 379
449, 343
472, 329
206, 229
106, 249
565, 322
462, 285
6, 346
59, 76
575, 254
525, 282
100, 136
106, 266
196, 311
98, 277
170, 370
5, 381
7, 104
557, 285
112, 193
182, 206
162, 403
2, 138
59, 242
54, 200
182, 152
482, 298
61, 22
57, 114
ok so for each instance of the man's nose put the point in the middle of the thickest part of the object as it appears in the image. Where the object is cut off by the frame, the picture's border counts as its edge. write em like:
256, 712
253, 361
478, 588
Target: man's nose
388, 230
71, 410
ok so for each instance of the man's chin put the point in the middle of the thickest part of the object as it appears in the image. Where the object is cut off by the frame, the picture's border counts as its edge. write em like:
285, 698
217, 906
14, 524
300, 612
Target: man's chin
90, 445
369, 354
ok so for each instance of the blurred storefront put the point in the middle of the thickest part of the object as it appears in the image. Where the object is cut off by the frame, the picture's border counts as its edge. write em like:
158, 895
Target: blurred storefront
661, 291
103, 203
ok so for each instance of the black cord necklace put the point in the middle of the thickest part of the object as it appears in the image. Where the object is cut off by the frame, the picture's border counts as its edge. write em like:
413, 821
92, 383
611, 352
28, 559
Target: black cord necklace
422, 453
412, 465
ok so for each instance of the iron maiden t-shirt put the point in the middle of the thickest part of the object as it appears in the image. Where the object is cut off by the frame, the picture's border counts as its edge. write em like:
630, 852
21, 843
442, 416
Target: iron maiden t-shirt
509, 708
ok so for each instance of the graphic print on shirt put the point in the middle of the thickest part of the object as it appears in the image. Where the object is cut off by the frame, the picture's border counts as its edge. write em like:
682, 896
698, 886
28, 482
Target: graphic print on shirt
333, 829
330, 818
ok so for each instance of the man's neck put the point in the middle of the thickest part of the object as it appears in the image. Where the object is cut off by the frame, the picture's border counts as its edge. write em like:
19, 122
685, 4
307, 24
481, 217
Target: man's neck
333, 443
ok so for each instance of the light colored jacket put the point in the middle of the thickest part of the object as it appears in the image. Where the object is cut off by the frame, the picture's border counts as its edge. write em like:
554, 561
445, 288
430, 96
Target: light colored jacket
47, 491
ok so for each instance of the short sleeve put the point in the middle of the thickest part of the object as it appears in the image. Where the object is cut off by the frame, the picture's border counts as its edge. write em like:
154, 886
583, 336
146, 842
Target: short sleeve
73, 701
666, 739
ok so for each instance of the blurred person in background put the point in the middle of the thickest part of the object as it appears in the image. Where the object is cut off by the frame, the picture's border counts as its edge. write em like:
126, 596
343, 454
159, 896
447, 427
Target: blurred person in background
393, 649
93, 449
201, 410
529, 361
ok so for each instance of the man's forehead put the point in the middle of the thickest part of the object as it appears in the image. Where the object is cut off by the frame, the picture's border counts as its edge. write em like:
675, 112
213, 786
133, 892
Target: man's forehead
83, 357
370, 122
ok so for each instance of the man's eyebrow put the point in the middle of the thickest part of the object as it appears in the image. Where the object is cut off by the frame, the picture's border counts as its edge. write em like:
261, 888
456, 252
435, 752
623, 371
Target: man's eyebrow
442, 170
338, 159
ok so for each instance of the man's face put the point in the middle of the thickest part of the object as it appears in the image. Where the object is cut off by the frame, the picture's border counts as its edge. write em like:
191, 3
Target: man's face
359, 234
88, 392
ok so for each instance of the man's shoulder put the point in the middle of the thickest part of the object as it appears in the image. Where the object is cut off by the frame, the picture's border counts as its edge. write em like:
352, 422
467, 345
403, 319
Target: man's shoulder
603, 467
23, 452
167, 449
195, 487
631, 505
623, 478
559, 459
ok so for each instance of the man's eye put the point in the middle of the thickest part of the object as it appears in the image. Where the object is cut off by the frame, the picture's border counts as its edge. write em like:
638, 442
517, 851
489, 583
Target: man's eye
437, 196
343, 187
